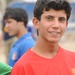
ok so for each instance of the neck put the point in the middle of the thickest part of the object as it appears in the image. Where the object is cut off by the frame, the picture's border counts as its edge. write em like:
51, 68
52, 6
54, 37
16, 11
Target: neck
22, 32
45, 49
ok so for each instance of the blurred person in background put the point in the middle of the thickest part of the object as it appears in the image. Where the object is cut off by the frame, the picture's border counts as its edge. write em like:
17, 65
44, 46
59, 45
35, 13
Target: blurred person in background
47, 57
5, 69
16, 20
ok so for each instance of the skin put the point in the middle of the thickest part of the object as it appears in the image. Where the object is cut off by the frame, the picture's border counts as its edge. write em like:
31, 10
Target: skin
51, 27
15, 28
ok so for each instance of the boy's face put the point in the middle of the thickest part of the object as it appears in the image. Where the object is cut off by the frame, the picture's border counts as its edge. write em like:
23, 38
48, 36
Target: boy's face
12, 27
52, 25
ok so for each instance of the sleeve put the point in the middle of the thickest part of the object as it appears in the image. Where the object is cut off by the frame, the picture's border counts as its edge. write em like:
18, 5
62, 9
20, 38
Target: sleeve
5, 69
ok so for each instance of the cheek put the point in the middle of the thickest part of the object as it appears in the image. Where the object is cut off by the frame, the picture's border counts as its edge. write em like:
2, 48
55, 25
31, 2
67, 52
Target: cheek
63, 29
12, 26
14, 29
15, 25
63, 26
42, 30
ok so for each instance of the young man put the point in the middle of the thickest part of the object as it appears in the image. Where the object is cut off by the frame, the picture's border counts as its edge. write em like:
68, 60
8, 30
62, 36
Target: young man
16, 23
5, 69
47, 57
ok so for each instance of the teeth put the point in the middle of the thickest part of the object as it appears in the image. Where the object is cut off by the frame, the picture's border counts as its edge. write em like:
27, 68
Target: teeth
54, 33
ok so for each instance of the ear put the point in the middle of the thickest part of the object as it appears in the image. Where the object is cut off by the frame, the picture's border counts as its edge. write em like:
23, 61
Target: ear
35, 23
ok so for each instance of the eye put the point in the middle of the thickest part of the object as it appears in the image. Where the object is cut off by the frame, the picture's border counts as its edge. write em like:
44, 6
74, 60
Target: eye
50, 18
9, 22
62, 19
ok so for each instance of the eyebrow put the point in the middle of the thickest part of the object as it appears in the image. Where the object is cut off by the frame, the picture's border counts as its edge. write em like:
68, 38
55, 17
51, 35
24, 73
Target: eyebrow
53, 16
47, 16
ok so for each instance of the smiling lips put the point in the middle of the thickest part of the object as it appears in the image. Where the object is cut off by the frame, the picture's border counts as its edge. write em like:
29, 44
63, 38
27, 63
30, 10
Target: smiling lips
53, 32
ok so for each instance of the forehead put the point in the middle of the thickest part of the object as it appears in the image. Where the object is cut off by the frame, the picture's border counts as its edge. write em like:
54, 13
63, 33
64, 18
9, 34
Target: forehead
58, 13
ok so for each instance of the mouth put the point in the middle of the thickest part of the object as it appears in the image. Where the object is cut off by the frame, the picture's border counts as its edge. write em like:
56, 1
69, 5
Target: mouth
53, 32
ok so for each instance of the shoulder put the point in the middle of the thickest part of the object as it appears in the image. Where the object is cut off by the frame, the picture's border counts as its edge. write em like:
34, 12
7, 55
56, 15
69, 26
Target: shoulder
28, 43
25, 58
27, 39
23, 63
68, 54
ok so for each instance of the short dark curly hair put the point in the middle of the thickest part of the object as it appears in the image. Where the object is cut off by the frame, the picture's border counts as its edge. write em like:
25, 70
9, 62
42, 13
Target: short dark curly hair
51, 4
17, 14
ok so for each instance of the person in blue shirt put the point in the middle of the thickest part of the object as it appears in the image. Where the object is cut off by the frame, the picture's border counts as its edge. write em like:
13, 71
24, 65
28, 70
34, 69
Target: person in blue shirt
16, 20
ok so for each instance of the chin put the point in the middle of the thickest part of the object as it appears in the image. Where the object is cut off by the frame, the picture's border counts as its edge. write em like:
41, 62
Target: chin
54, 40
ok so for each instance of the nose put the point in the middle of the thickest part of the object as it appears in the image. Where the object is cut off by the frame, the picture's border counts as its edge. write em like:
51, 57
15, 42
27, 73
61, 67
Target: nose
5, 28
56, 24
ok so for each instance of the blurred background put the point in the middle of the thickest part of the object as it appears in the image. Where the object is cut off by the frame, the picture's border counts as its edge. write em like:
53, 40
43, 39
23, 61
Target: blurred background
67, 41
